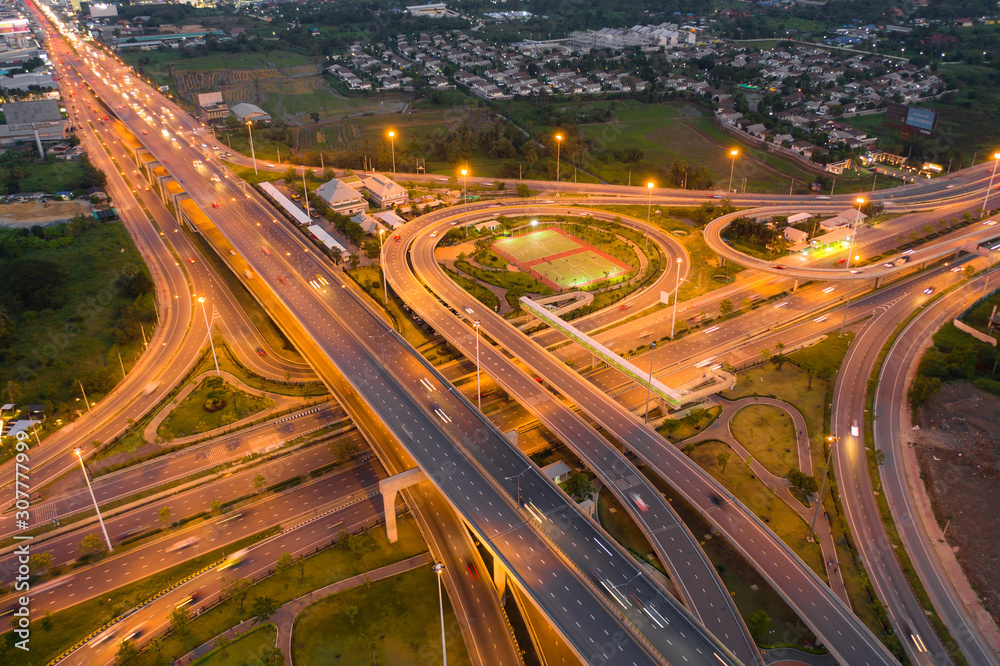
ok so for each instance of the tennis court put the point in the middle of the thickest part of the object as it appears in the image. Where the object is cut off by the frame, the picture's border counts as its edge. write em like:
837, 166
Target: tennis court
560, 260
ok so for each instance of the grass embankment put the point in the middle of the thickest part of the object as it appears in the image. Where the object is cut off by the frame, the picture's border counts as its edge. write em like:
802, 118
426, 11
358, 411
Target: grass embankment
390, 621
213, 404
768, 433
351, 556
619, 524
245, 650
750, 591
737, 477
677, 430
63, 629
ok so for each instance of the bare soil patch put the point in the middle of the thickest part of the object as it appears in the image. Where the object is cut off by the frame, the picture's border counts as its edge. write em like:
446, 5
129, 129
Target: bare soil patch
44, 213
958, 447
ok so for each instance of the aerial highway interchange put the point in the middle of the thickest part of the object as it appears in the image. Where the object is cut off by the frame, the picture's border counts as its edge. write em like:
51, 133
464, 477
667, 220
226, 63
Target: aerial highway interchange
595, 597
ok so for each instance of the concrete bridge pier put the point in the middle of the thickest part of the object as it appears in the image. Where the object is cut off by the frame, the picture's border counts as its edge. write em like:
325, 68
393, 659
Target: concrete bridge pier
389, 488
499, 578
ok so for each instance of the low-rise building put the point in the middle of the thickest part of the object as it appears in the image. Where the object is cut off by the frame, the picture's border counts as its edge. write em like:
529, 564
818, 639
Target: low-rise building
211, 108
25, 119
385, 192
342, 198
250, 113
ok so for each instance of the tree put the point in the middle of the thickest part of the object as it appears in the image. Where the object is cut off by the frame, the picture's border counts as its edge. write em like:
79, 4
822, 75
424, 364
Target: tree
236, 589
351, 612
179, 619
216, 507
222, 642
127, 651
164, 514
725, 306
271, 656
262, 609
315, 116
579, 487
523, 191
878, 457
39, 563
802, 481
765, 354
759, 623
284, 564
259, 482
90, 544
969, 271
779, 357
723, 460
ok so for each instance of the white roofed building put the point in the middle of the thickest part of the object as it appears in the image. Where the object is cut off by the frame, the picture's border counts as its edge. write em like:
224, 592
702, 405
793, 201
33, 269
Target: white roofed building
341, 198
385, 192
249, 112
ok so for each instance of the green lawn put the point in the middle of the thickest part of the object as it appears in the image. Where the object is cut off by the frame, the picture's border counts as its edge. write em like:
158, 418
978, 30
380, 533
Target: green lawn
245, 650
677, 430
193, 416
156, 61
750, 490
506, 279
392, 621
52, 176
768, 433
619, 524
349, 557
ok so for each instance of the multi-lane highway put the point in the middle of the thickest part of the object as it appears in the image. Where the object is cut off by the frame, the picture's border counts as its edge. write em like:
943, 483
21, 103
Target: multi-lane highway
357, 362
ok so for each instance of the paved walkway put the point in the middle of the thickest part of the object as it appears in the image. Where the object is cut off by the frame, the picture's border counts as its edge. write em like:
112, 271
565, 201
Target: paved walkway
284, 617
793, 657
824, 535
281, 403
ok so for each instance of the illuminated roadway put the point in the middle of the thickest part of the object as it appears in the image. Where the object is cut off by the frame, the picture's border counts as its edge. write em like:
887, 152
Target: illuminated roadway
829, 618
505, 529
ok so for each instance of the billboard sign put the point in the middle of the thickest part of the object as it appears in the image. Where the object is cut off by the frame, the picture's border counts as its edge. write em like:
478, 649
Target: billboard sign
922, 119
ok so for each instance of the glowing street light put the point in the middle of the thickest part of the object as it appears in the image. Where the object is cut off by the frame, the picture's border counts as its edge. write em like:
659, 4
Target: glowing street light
732, 153
439, 570
201, 299
996, 160
479, 388
253, 156
465, 196
854, 232
649, 207
677, 293
79, 456
392, 144
559, 139
381, 258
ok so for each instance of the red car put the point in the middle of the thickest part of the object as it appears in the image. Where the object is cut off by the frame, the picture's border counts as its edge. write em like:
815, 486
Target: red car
396, 237
215, 205
191, 259
282, 279
261, 352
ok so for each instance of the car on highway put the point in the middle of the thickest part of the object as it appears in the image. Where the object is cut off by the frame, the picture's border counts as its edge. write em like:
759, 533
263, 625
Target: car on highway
990, 223
779, 267
473, 572
434, 234
191, 259
134, 633
854, 428
855, 271
215, 179
215, 205
639, 503
182, 544
188, 600
901, 261
888, 264
929, 290
282, 280
396, 237
234, 559
261, 352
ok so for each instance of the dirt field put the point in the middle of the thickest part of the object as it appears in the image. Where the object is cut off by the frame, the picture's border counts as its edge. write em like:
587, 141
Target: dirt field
50, 212
959, 454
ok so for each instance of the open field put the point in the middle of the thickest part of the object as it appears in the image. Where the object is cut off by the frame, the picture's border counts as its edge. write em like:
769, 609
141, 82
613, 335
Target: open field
52, 176
391, 621
245, 650
769, 435
193, 415
156, 61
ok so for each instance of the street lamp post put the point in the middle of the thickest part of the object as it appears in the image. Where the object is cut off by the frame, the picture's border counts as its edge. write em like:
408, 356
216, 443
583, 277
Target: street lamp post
996, 160
201, 299
381, 258
649, 384
649, 208
822, 487
518, 478
732, 153
479, 388
253, 155
850, 251
439, 570
465, 196
558, 147
79, 456
677, 293
392, 145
